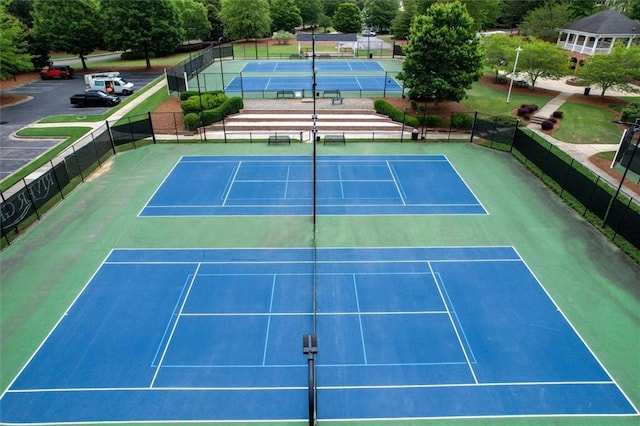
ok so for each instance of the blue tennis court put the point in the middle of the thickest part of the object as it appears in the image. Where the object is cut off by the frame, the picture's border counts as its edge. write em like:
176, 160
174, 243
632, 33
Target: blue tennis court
343, 83
306, 66
403, 333
283, 185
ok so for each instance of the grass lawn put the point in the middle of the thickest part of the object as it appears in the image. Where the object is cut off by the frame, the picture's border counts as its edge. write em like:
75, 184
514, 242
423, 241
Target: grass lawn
586, 124
489, 100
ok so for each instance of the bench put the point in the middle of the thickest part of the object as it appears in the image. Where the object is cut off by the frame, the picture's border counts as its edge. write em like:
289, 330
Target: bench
285, 94
335, 139
324, 55
331, 94
336, 101
279, 139
522, 83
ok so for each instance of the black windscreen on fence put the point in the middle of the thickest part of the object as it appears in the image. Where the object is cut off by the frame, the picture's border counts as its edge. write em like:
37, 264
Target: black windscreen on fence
132, 131
176, 83
43, 189
627, 155
586, 187
27, 199
15, 208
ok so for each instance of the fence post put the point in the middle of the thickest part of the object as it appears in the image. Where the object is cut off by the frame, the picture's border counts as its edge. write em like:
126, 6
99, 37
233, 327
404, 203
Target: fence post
513, 139
55, 176
473, 127
153, 133
113, 145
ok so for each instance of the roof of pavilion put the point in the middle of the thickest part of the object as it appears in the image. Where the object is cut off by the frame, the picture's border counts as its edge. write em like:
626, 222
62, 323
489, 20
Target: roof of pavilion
605, 23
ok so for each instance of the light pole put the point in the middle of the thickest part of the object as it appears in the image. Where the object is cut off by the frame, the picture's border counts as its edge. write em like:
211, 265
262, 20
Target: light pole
220, 59
513, 74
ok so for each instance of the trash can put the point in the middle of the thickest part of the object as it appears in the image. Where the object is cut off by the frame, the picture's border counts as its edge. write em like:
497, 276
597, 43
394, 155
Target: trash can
587, 90
414, 135
370, 55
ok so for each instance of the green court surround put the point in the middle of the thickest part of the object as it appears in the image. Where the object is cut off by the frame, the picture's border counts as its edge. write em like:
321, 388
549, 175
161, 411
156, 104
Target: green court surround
595, 285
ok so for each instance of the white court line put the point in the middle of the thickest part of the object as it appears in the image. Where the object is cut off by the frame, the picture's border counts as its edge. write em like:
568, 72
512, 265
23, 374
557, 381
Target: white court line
160, 186
453, 324
266, 337
397, 183
230, 183
175, 325
364, 346
413, 386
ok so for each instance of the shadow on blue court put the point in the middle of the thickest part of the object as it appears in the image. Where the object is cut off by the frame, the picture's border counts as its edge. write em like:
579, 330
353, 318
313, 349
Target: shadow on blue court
283, 185
215, 335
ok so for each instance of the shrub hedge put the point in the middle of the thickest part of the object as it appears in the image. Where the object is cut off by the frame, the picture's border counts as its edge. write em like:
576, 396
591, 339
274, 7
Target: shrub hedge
631, 112
460, 120
193, 120
385, 108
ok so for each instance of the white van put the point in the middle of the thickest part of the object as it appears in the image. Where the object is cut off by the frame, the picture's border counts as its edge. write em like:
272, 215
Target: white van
110, 83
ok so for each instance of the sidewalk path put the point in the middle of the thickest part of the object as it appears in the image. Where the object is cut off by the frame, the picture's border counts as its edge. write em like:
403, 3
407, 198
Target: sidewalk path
580, 152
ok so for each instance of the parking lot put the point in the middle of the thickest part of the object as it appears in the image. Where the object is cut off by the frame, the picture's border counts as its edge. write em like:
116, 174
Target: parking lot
47, 97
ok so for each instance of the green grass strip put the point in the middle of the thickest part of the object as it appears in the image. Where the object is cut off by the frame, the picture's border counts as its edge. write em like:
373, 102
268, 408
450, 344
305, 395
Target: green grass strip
72, 134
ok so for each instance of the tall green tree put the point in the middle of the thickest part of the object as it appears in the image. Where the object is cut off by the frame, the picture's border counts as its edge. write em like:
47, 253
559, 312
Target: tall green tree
70, 26
245, 19
543, 22
142, 26
443, 57
195, 22
485, 13
500, 51
581, 8
329, 7
310, 10
514, 11
633, 11
20, 9
402, 22
213, 12
347, 18
380, 13
14, 58
285, 16
541, 59
616, 70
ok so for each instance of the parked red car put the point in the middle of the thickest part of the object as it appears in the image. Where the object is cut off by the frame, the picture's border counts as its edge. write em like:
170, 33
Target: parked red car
56, 71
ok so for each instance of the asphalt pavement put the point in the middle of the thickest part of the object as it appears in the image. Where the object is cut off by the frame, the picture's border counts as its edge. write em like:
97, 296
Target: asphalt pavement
44, 98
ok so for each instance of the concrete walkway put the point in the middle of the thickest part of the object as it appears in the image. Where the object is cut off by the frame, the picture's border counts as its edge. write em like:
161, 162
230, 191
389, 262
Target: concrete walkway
580, 152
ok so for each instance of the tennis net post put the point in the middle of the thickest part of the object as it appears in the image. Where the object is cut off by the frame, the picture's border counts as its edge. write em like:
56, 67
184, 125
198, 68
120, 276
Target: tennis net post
310, 348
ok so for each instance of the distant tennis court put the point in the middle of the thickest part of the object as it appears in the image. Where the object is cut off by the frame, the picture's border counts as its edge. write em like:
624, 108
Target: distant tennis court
305, 66
355, 76
283, 185
342, 83
403, 333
